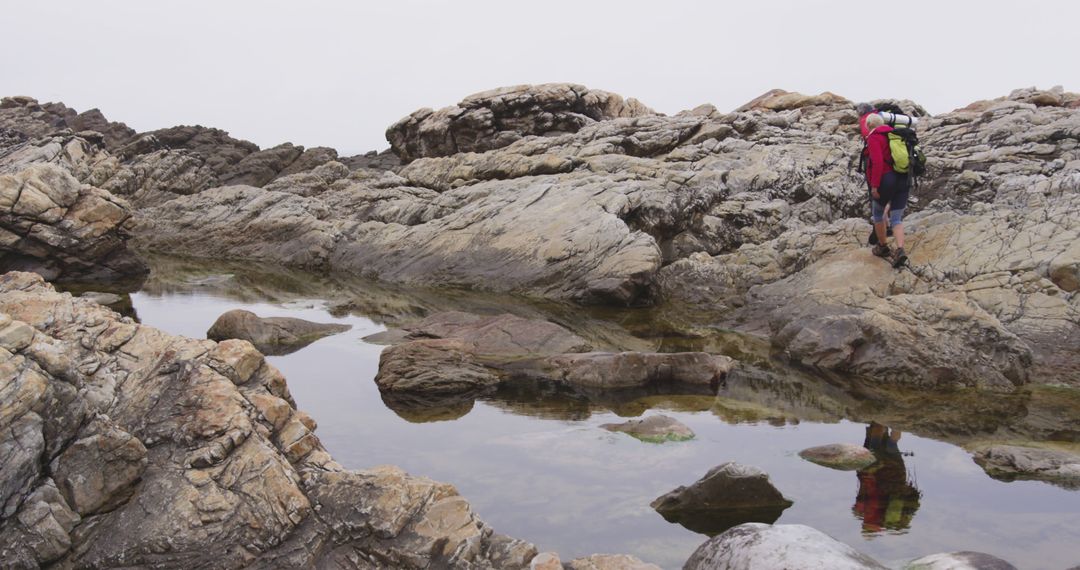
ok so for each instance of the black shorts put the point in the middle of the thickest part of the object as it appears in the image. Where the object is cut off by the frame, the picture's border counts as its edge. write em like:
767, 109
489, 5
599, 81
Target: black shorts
894, 190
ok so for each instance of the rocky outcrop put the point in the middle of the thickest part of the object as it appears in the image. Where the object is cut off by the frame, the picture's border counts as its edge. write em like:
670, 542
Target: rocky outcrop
729, 494
271, 335
53, 225
1011, 462
756, 545
727, 217
842, 456
494, 119
30, 120
125, 445
654, 429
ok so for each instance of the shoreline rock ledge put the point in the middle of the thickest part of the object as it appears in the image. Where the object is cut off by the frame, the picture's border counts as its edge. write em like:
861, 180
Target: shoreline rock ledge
125, 446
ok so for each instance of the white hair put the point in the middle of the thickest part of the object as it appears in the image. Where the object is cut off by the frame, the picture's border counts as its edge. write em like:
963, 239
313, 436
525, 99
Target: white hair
874, 121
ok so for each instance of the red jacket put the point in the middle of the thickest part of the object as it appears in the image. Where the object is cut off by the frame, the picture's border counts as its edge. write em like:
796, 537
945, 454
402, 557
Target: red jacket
877, 148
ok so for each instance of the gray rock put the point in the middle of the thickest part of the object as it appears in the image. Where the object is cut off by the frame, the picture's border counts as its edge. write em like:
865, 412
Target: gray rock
842, 456
496, 118
55, 226
203, 459
605, 370
728, 495
654, 429
271, 335
756, 545
959, 561
1011, 462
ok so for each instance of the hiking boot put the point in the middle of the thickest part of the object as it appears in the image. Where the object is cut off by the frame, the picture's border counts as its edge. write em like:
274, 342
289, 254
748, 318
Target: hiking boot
872, 240
882, 250
899, 258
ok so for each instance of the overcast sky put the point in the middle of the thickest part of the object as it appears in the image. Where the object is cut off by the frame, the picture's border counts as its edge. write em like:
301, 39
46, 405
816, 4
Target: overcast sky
338, 73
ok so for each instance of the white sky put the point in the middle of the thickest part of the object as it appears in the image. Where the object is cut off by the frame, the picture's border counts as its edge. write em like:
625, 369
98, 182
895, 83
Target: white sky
322, 73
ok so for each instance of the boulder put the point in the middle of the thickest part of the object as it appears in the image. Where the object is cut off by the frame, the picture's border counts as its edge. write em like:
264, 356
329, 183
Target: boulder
271, 335
496, 118
755, 545
1012, 462
653, 429
729, 494
55, 226
965, 560
840, 456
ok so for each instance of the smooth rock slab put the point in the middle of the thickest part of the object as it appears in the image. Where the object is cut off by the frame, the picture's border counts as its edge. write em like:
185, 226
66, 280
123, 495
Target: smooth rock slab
728, 495
841, 456
654, 429
959, 561
271, 335
610, 562
758, 546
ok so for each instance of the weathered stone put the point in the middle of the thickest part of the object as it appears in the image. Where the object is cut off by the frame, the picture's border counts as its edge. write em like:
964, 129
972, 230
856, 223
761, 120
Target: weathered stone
655, 429
1011, 462
496, 118
270, 335
756, 545
98, 471
729, 494
609, 562
965, 560
633, 369
842, 456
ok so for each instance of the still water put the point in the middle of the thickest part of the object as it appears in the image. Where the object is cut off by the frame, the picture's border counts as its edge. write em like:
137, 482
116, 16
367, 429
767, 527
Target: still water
535, 465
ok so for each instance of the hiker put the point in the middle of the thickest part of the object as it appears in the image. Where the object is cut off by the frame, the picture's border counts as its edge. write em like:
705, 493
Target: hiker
887, 498
888, 190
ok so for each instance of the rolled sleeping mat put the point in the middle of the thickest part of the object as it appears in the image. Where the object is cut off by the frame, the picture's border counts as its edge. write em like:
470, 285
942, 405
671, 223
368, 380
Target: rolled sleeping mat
898, 120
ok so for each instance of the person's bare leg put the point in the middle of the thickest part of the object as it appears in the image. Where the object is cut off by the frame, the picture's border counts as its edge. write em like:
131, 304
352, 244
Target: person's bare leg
897, 232
879, 229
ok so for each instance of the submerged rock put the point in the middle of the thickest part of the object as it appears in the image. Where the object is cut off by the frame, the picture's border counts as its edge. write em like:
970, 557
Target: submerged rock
654, 429
842, 456
965, 560
729, 494
271, 335
755, 545
1011, 462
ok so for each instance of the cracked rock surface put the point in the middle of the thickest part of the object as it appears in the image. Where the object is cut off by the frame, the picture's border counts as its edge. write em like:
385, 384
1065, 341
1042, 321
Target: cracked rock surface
185, 452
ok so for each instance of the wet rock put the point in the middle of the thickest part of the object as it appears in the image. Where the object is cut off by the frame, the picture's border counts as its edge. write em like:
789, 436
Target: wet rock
1011, 462
436, 366
842, 456
729, 494
965, 560
102, 298
271, 335
605, 370
654, 429
756, 545
609, 562
496, 118
499, 338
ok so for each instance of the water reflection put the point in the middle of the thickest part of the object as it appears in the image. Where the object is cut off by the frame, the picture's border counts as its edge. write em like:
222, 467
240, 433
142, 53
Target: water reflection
887, 497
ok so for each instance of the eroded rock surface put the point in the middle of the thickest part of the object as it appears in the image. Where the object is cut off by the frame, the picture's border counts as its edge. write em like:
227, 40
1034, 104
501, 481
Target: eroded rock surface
496, 118
172, 452
965, 560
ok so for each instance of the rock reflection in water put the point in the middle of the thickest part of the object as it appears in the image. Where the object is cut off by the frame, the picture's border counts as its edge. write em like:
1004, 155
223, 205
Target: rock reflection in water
887, 497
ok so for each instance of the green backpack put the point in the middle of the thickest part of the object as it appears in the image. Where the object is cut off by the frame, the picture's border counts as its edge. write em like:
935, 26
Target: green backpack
907, 157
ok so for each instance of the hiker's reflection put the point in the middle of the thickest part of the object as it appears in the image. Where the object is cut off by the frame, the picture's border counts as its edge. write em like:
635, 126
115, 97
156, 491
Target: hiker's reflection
886, 499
